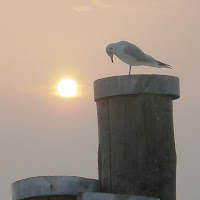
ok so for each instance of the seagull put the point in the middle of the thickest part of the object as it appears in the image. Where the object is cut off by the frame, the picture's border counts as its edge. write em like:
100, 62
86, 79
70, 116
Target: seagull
132, 55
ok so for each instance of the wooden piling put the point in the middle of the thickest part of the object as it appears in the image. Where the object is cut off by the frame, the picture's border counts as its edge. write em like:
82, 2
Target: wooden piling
136, 136
52, 187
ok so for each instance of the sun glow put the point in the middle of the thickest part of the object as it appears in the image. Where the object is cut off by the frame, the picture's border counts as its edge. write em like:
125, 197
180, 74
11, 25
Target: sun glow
67, 88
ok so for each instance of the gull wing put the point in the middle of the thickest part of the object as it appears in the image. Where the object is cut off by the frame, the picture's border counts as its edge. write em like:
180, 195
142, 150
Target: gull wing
133, 51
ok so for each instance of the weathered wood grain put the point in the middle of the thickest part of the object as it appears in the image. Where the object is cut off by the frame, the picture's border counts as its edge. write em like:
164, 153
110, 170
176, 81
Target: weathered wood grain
136, 142
136, 145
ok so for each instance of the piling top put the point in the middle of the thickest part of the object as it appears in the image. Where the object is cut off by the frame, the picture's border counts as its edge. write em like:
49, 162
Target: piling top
109, 196
52, 185
137, 84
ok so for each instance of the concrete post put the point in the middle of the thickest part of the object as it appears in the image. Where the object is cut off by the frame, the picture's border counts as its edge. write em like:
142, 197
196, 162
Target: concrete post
52, 187
136, 136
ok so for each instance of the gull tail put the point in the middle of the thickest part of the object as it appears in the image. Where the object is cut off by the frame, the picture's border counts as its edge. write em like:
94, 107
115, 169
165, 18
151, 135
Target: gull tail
160, 64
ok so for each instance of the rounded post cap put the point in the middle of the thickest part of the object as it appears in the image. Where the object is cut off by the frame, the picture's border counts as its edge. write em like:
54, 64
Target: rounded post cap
52, 185
137, 84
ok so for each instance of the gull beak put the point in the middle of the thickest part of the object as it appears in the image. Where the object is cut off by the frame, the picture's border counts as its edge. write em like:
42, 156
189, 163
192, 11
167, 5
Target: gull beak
111, 59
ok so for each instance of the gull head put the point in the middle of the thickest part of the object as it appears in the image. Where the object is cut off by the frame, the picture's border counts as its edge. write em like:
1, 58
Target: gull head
109, 51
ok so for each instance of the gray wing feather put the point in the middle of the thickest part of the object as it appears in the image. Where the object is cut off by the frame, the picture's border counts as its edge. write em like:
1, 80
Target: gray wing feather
134, 51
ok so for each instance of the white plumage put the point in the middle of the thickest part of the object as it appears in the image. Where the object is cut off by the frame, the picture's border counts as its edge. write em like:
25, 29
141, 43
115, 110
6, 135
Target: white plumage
132, 55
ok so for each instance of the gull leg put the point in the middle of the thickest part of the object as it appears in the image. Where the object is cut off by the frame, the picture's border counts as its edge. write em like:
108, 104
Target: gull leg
129, 70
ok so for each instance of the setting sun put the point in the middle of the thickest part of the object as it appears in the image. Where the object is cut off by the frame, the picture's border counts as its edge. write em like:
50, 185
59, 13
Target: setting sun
67, 88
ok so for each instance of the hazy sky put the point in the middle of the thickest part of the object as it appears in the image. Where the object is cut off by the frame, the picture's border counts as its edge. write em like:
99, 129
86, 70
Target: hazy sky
43, 41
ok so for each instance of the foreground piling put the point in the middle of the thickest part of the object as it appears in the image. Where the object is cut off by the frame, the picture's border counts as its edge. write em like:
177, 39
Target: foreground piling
136, 136
52, 188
